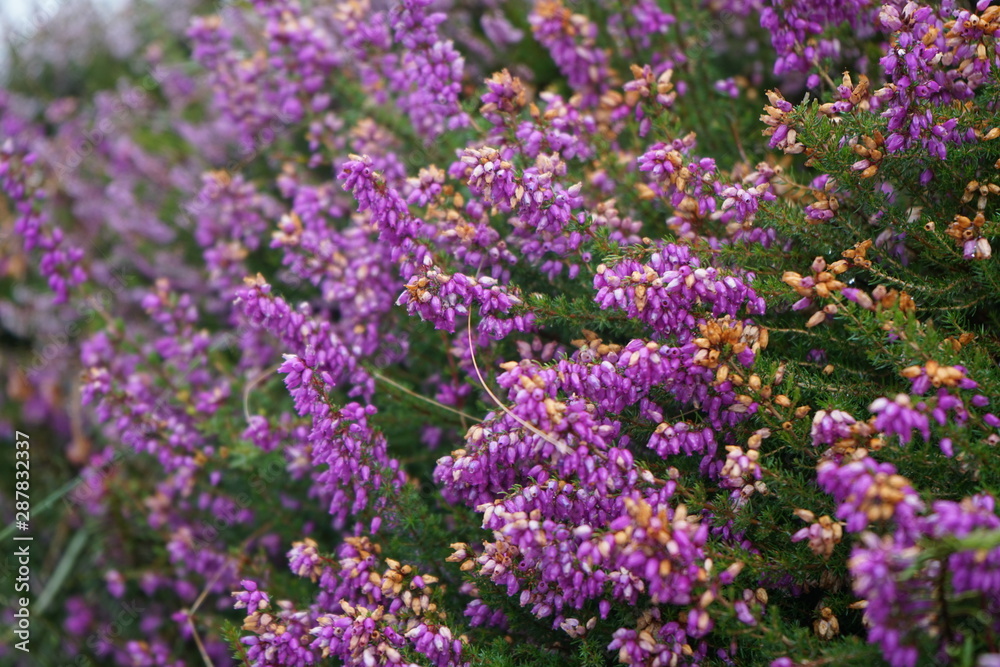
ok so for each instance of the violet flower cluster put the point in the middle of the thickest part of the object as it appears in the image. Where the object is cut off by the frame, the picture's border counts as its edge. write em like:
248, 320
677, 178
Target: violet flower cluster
446, 334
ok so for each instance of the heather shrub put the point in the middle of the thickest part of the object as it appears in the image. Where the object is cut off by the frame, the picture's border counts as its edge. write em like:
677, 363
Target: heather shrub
503, 333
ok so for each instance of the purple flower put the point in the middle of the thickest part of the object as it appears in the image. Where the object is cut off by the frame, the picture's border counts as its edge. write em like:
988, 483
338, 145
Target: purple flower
900, 417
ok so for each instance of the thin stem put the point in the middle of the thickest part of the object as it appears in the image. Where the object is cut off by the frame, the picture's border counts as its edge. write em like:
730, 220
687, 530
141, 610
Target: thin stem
413, 394
250, 385
561, 446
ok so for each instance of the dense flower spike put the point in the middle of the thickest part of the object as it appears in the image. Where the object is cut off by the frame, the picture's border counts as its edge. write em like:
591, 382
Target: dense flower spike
384, 613
665, 290
869, 492
571, 41
19, 181
430, 70
229, 218
918, 69
310, 339
794, 28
